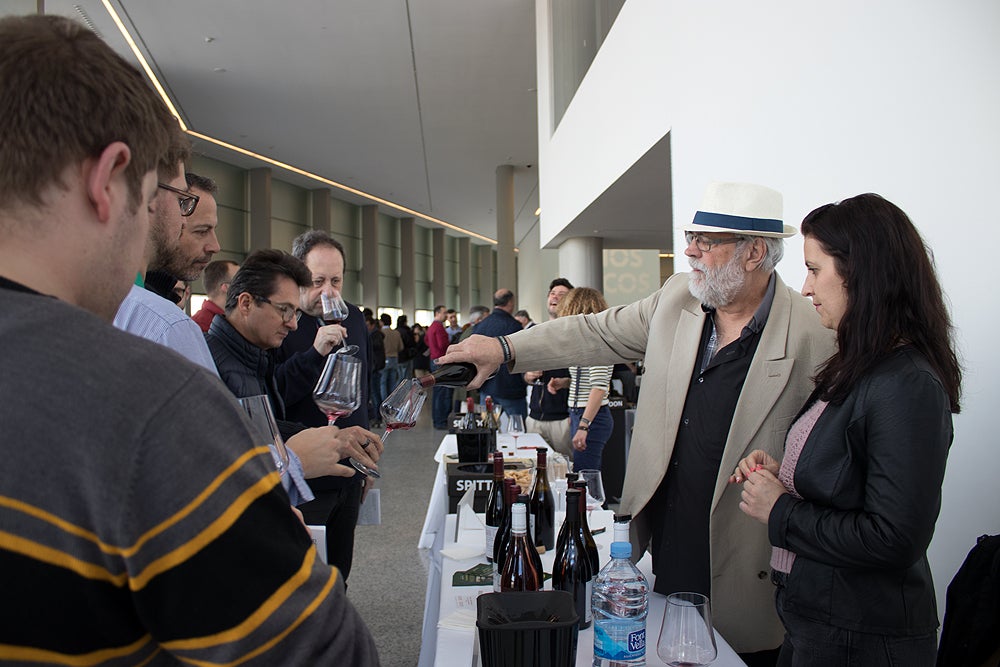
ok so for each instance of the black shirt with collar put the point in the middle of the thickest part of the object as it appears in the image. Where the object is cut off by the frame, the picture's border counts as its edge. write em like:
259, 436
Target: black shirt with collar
681, 549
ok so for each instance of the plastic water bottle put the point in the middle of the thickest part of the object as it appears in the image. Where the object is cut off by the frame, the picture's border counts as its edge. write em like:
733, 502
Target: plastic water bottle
620, 603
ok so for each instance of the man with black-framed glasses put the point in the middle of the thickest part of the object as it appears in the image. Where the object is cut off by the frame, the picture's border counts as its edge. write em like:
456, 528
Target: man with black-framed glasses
149, 310
261, 310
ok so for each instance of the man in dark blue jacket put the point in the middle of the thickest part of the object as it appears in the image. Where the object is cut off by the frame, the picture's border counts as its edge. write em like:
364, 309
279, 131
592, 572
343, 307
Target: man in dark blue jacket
507, 389
300, 360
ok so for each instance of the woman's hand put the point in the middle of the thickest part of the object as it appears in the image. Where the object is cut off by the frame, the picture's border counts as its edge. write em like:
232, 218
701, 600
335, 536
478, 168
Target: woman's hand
580, 440
760, 491
758, 459
555, 384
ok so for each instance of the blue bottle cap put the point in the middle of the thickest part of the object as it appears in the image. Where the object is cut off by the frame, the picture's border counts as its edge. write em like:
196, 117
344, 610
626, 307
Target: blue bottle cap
621, 550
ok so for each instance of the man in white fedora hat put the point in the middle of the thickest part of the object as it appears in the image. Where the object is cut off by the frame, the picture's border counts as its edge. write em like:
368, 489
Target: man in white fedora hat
729, 352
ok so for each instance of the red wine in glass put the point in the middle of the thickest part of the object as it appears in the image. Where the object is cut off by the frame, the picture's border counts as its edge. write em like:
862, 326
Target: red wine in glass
334, 308
399, 412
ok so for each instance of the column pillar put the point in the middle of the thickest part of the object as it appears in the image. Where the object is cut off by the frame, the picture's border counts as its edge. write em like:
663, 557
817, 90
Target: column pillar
581, 261
506, 266
464, 275
259, 205
369, 256
320, 208
437, 252
408, 271
486, 285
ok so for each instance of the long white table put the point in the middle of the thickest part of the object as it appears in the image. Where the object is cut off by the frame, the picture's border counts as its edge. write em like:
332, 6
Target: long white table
449, 636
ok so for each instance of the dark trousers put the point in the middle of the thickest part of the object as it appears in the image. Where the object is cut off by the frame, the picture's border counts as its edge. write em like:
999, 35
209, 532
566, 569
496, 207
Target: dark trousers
814, 644
598, 434
337, 509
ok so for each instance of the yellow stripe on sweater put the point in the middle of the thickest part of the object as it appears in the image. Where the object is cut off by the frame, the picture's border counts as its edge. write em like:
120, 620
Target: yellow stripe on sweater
259, 617
90, 536
9, 652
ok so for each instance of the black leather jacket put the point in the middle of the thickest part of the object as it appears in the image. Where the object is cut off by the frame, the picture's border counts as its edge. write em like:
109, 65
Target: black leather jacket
247, 369
870, 475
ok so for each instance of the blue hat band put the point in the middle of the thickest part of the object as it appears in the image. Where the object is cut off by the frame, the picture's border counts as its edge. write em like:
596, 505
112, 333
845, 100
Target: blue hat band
736, 222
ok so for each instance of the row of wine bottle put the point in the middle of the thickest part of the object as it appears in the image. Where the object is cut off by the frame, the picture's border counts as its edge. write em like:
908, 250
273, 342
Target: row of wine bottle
516, 563
472, 420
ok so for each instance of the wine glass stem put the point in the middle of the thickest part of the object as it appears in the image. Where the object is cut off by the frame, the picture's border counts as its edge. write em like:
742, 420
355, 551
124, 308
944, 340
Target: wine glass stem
330, 419
386, 434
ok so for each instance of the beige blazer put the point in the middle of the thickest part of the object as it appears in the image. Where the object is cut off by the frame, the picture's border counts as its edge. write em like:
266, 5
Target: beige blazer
665, 329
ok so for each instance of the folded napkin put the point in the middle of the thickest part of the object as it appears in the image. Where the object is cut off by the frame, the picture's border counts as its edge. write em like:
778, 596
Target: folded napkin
463, 551
463, 619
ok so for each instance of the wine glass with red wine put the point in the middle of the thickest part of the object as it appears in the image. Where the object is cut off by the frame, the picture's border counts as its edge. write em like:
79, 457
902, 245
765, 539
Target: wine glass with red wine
399, 412
338, 390
334, 308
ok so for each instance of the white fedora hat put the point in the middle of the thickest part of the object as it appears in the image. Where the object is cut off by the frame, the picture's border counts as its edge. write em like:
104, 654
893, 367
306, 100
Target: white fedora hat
741, 208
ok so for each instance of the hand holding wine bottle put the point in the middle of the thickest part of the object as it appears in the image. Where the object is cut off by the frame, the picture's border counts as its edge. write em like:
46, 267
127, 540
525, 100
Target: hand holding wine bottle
483, 352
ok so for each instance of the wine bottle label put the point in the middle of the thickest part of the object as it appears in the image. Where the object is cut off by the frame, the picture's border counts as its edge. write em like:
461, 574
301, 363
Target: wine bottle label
491, 537
588, 613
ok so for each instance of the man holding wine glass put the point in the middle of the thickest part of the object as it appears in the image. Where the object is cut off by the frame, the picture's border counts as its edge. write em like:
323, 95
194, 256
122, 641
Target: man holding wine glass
325, 324
112, 440
260, 311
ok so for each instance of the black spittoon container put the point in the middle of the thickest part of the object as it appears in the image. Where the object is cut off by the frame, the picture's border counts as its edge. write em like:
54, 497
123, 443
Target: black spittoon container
530, 628
475, 445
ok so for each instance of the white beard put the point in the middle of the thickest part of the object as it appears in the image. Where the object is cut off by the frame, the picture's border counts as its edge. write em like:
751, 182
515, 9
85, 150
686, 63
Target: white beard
717, 287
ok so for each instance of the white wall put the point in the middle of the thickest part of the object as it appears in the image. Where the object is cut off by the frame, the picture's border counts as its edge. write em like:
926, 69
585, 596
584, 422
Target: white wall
821, 101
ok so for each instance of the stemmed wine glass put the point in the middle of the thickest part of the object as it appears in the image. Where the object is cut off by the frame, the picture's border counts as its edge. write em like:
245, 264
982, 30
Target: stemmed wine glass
338, 390
334, 308
515, 427
399, 412
258, 409
595, 489
686, 636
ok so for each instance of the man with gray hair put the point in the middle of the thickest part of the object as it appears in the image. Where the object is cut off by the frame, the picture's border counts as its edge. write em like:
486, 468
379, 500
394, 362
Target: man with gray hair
730, 352
300, 360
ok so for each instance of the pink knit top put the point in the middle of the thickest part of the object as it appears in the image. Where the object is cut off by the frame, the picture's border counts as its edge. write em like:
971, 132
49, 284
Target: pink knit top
782, 559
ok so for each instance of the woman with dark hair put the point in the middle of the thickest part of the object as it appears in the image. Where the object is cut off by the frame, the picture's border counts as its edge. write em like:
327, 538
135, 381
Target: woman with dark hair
851, 508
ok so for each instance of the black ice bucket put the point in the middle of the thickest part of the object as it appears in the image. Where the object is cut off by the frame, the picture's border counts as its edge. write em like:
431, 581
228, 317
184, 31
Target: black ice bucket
532, 628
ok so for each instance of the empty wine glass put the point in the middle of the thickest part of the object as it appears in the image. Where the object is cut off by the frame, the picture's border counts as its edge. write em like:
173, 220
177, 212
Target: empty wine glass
686, 635
595, 489
338, 390
334, 308
258, 409
515, 427
399, 412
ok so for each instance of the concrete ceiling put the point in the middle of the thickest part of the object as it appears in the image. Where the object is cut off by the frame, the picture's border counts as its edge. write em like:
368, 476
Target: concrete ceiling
413, 101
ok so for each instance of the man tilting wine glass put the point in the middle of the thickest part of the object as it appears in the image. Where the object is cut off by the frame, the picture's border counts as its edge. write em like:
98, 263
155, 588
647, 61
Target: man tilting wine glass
300, 360
260, 312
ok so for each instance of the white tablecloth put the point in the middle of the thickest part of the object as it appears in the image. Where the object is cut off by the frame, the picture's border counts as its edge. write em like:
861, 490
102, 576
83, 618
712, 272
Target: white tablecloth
448, 646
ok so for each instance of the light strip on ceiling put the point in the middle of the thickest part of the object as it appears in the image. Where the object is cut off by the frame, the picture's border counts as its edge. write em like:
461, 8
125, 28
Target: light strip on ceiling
277, 163
142, 61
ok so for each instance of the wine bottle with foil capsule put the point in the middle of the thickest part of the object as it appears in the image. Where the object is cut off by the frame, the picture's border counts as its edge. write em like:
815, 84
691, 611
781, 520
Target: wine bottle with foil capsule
502, 541
449, 375
542, 506
521, 569
524, 500
494, 505
572, 571
588, 537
